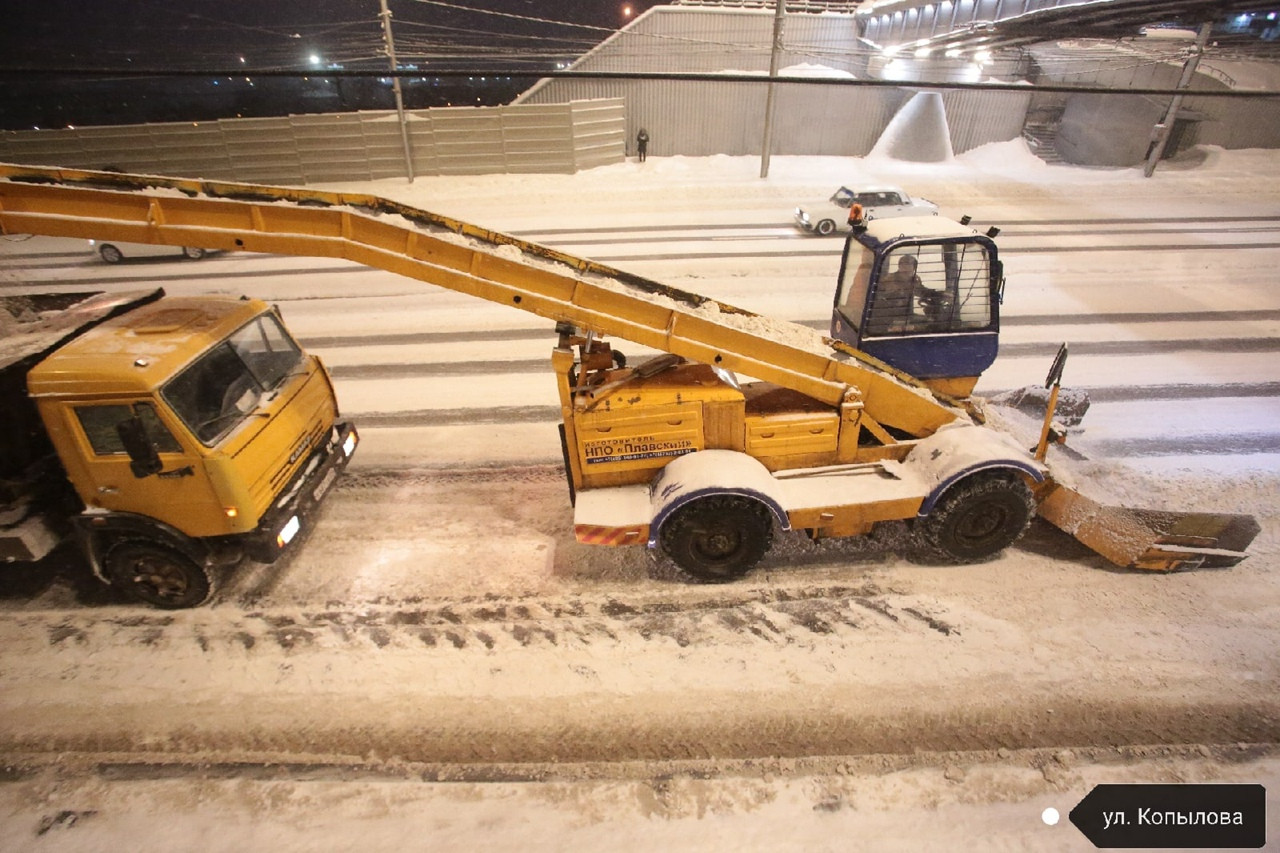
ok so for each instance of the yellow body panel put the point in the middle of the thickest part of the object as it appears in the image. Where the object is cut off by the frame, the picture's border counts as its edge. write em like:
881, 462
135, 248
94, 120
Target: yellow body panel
793, 440
201, 490
254, 464
181, 496
853, 519
625, 436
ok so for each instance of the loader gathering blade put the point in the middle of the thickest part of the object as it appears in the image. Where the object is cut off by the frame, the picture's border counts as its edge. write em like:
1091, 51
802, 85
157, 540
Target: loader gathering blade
1150, 539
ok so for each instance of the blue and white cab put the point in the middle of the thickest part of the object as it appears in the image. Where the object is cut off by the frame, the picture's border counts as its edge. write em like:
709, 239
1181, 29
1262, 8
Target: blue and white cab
921, 294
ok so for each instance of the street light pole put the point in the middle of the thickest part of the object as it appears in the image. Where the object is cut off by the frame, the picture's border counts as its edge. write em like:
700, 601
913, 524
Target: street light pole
779, 16
1165, 127
395, 87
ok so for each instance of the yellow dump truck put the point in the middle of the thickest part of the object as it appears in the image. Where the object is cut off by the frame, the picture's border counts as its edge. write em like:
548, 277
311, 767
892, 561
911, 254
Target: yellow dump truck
167, 436
833, 434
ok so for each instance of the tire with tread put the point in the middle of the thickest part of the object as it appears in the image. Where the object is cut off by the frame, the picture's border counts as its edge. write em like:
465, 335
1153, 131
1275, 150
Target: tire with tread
719, 538
157, 575
979, 517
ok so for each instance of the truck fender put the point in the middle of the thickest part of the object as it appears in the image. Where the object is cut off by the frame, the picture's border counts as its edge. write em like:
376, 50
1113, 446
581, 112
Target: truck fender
957, 452
98, 532
712, 472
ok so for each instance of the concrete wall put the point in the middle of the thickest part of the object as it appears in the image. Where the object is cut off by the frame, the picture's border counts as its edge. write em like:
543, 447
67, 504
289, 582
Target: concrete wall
706, 117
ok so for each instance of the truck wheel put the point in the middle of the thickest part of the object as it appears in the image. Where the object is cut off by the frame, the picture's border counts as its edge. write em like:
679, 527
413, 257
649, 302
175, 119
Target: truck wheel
719, 538
826, 227
979, 517
157, 575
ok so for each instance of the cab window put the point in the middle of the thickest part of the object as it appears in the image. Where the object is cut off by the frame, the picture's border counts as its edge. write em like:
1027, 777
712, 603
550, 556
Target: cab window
932, 288
223, 387
853, 287
99, 426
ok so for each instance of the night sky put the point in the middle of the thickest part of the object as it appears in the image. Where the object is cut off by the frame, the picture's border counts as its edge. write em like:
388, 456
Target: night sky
285, 34
223, 44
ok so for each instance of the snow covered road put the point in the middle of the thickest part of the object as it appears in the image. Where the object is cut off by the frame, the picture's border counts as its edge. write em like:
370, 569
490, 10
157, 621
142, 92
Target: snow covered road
441, 618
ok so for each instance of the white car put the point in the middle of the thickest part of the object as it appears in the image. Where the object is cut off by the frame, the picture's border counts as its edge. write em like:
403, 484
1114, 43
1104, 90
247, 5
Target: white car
832, 215
114, 253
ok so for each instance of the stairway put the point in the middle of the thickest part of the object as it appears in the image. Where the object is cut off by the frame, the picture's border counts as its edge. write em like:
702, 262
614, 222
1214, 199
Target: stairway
1041, 139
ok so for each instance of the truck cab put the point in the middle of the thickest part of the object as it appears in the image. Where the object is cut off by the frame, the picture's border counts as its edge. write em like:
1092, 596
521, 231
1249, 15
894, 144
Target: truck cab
921, 294
195, 432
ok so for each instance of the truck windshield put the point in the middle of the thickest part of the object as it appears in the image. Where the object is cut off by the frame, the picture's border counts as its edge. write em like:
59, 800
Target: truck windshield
931, 287
226, 384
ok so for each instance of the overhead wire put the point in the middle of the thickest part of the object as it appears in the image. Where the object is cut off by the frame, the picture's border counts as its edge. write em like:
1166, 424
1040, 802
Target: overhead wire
358, 42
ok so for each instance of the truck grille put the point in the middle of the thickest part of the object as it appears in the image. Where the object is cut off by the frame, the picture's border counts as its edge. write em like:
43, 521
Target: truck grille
297, 456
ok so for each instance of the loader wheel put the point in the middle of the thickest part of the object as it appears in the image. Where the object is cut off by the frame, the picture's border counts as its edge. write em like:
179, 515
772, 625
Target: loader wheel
157, 575
826, 227
979, 517
719, 538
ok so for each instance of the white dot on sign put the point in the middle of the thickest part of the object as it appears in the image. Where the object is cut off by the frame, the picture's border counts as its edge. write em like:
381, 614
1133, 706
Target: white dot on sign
1049, 816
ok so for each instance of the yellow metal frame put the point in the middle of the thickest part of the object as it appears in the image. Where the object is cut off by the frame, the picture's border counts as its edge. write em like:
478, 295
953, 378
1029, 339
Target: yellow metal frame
456, 255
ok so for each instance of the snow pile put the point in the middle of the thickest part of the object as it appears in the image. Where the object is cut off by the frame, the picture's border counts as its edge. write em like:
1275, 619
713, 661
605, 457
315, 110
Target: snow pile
918, 132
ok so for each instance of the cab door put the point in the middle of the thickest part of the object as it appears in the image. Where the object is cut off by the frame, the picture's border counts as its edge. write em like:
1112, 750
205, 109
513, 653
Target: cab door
179, 494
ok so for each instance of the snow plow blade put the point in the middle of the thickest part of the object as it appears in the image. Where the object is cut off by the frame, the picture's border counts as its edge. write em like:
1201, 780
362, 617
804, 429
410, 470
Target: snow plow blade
1150, 539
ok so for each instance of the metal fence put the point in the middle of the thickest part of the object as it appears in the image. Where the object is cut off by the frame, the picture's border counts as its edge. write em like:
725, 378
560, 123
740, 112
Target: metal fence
299, 149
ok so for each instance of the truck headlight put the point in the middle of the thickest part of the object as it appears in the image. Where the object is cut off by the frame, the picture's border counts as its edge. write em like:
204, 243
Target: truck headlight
290, 530
349, 446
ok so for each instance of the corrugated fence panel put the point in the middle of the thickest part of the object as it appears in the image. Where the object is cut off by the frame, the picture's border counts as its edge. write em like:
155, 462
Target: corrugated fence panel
468, 141
836, 120
196, 149
384, 144
331, 147
524, 138
978, 118
702, 118
422, 140
44, 148
534, 138
263, 150
124, 147
599, 132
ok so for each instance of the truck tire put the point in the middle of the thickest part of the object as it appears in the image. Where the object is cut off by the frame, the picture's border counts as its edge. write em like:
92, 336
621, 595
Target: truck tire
719, 538
979, 517
157, 575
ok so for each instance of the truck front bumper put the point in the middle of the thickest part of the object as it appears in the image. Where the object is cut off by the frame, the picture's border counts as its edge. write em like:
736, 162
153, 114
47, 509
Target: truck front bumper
289, 519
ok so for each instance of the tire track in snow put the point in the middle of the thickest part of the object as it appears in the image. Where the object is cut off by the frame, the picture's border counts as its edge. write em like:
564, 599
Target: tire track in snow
775, 616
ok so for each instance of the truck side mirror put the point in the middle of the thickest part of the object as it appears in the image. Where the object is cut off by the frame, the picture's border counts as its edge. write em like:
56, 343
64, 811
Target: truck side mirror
144, 459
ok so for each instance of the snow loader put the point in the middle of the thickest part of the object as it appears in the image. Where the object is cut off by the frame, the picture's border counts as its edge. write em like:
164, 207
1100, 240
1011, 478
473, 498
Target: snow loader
833, 435
167, 437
